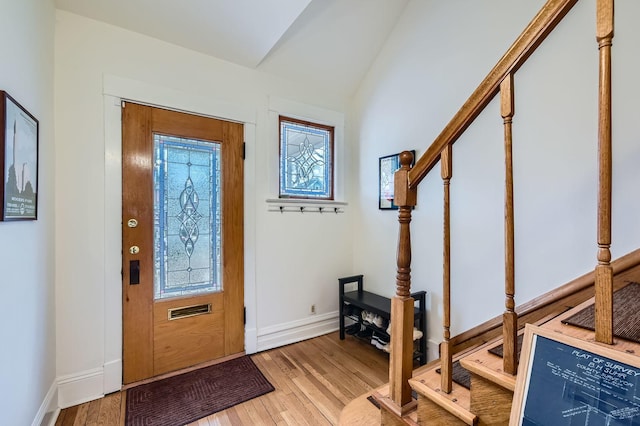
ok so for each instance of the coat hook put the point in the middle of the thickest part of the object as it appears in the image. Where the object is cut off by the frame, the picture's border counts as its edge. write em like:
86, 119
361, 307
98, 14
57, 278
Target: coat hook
281, 209
320, 209
335, 209
301, 209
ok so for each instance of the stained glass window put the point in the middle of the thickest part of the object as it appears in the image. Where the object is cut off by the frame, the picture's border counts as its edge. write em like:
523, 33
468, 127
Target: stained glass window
187, 215
306, 160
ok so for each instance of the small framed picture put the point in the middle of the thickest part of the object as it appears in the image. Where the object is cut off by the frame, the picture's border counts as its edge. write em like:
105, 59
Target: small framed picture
387, 167
18, 161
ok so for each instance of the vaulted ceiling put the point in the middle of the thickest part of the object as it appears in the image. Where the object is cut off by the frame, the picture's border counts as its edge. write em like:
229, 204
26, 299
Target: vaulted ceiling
327, 43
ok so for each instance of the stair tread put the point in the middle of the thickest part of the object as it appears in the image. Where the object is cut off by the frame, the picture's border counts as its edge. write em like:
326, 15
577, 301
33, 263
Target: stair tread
489, 367
457, 402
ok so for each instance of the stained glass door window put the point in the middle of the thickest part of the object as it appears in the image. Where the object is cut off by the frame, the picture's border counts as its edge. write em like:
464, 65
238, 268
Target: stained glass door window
187, 216
306, 160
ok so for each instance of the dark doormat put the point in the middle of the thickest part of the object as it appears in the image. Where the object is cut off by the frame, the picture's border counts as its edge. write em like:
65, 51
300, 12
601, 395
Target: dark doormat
626, 315
191, 396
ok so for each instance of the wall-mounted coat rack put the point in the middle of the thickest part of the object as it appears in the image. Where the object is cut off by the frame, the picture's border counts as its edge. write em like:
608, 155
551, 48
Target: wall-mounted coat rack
305, 206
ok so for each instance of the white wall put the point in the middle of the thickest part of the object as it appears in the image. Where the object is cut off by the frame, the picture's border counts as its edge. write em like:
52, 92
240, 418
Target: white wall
27, 361
438, 54
292, 260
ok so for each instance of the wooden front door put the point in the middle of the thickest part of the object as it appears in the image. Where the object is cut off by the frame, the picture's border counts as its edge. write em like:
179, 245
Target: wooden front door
182, 240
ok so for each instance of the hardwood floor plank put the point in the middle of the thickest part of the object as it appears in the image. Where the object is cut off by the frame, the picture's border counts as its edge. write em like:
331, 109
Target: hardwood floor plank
233, 417
81, 415
257, 413
68, 418
301, 412
270, 368
321, 401
245, 416
269, 407
313, 381
219, 419
110, 410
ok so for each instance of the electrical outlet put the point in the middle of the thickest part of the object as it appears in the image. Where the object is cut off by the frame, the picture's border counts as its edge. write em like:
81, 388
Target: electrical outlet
313, 309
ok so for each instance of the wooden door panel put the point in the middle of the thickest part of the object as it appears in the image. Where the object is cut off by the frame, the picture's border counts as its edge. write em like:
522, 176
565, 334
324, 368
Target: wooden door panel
187, 125
184, 342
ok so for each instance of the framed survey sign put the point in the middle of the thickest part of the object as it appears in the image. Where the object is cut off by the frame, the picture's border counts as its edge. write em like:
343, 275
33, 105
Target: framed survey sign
566, 381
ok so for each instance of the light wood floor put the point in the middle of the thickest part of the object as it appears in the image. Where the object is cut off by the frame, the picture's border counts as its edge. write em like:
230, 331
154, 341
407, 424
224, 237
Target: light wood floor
314, 380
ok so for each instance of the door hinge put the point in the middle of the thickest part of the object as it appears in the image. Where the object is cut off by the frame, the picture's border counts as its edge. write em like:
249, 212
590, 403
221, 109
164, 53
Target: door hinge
244, 150
245, 316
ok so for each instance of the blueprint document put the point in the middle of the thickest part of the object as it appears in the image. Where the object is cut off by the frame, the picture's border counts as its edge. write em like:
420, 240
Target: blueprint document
570, 386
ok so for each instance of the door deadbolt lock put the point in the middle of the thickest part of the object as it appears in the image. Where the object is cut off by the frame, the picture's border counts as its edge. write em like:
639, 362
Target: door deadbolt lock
132, 223
134, 249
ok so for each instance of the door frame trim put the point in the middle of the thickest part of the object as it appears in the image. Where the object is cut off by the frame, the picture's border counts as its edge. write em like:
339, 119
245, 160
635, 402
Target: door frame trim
115, 90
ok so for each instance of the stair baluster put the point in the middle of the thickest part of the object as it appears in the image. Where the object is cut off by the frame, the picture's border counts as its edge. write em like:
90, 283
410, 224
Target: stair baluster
603, 271
509, 318
446, 355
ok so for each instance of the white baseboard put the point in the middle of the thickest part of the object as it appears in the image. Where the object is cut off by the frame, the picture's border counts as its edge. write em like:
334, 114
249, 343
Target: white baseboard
49, 408
79, 388
112, 376
251, 340
296, 331
50, 419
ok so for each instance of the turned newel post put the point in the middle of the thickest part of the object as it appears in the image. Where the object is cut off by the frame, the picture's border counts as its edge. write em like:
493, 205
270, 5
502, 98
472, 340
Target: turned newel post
604, 272
401, 360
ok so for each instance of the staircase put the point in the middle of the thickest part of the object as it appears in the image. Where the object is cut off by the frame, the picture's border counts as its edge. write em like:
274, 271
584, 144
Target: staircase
487, 401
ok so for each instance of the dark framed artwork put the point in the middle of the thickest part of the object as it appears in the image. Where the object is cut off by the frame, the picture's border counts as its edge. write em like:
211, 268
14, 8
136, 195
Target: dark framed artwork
564, 381
18, 161
387, 166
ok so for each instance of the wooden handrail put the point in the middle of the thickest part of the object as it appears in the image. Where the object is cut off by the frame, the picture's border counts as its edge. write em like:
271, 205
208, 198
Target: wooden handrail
542, 24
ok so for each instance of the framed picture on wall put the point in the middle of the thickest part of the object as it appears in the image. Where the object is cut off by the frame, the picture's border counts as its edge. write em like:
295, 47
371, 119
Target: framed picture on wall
387, 167
18, 161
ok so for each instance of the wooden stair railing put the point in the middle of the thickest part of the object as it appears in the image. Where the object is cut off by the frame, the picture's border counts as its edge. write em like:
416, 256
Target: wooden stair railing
499, 80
